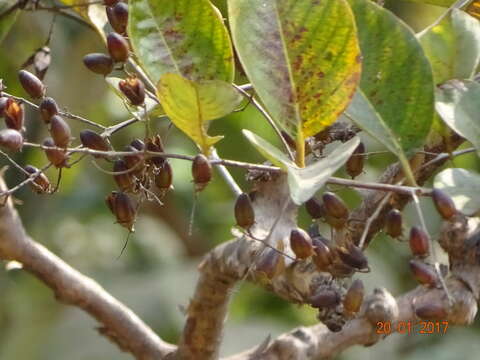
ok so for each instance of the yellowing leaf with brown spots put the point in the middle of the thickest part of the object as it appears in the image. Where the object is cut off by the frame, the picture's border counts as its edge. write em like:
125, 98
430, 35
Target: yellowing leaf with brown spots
302, 57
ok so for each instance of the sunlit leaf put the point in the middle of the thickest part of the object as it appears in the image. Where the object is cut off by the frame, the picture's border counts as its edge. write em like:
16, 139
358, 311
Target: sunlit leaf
444, 3
302, 57
462, 186
397, 77
186, 37
9, 15
458, 104
270, 152
190, 105
453, 46
94, 14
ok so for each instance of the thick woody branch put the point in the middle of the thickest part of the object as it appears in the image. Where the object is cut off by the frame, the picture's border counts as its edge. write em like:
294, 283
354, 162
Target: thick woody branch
117, 322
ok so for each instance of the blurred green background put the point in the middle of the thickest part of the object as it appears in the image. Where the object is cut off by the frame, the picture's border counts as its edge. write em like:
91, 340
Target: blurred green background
156, 275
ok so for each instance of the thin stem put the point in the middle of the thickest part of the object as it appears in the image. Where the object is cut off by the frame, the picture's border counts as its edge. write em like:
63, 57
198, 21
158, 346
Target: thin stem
300, 154
226, 175
372, 218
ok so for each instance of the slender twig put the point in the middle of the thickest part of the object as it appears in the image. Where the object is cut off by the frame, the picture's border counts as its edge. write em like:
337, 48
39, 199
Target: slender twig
28, 180
444, 156
226, 175
372, 218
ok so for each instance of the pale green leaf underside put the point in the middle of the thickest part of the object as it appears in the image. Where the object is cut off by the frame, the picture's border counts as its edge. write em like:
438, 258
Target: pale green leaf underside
462, 186
270, 152
186, 37
301, 56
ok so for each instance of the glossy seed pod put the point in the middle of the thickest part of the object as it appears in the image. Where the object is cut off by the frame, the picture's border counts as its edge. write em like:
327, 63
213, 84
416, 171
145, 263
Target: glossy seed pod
31, 84
419, 242
325, 298
201, 172
120, 11
323, 257
60, 131
394, 223
444, 204
57, 157
353, 256
133, 89
41, 181
125, 211
244, 213
117, 47
14, 114
48, 108
433, 311
164, 178
334, 206
110, 2
270, 264
354, 297
355, 163
301, 243
314, 208
138, 144
124, 181
11, 140
423, 273
115, 22
155, 145
98, 63
3, 104
91, 140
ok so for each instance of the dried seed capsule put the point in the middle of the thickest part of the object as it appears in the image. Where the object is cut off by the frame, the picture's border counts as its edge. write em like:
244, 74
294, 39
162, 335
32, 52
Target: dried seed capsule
201, 172
423, 273
323, 257
117, 47
31, 84
354, 165
244, 213
433, 311
110, 201
419, 244
48, 108
138, 144
57, 157
14, 114
325, 298
133, 89
114, 21
110, 2
301, 243
163, 179
155, 145
334, 206
91, 140
11, 139
314, 208
125, 211
124, 181
99, 63
3, 104
42, 182
353, 256
354, 297
270, 264
444, 204
120, 11
60, 131
134, 161
393, 223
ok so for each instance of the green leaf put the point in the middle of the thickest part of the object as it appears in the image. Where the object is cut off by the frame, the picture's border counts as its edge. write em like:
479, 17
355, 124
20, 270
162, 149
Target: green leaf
444, 3
458, 104
190, 105
302, 57
186, 37
453, 46
94, 14
462, 186
7, 20
270, 152
397, 77
305, 182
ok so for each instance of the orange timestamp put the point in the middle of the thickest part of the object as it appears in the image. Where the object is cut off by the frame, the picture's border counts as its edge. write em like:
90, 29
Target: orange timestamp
412, 327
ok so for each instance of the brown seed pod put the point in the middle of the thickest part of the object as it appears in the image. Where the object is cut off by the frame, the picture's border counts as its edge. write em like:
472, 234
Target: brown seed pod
124, 181
334, 206
314, 208
125, 211
42, 182
163, 179
117, 47
353, 256
134, 89
301, 243
434, 311
393, 223
323, 257
31, 84
14, 114
48, 108
98, 63
110, 2
444, 204
57, 157
11, 140
423, 273
138, 144
3, 104
110, 201
201, 172
354, 165
91, 140
114, 21
419, 242
60, 131
270, 264
120, 11
325, 298
354, 297
244, 213
134, 161
155, 145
